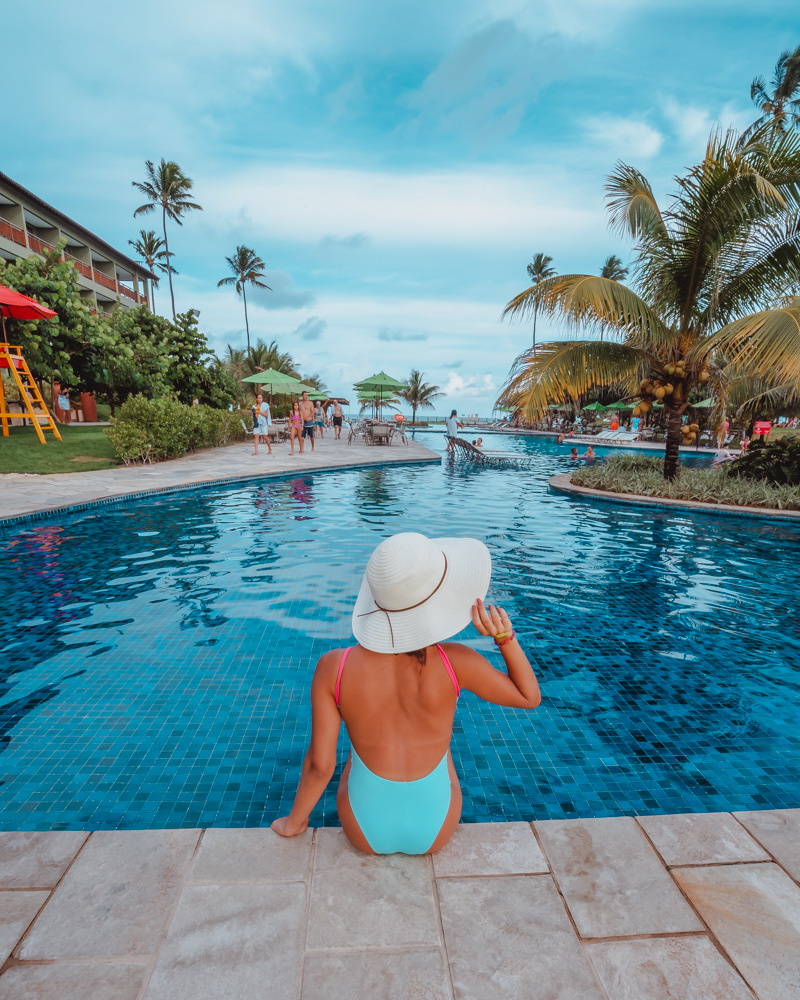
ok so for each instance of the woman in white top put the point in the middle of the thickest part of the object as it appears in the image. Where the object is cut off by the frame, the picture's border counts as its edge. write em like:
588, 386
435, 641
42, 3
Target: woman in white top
452, 423
262, 418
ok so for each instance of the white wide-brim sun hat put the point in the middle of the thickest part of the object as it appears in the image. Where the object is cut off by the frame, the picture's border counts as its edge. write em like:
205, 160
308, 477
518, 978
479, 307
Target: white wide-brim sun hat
418, 591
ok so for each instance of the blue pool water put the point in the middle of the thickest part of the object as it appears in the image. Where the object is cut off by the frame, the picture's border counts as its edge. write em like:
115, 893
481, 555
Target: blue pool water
156, 656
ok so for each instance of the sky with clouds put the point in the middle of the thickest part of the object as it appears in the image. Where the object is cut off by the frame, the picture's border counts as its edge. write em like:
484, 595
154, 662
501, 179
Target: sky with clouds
395, 165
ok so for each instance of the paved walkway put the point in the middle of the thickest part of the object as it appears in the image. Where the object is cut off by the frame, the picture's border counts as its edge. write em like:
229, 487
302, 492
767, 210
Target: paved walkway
694, 907
26, 494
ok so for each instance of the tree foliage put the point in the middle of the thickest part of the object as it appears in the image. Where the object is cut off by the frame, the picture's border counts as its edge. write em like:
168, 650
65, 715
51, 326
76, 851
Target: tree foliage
419, 394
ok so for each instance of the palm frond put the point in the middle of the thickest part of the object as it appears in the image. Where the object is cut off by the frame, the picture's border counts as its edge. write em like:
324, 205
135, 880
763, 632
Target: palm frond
631, 204
584, 301
567, 370
765, 344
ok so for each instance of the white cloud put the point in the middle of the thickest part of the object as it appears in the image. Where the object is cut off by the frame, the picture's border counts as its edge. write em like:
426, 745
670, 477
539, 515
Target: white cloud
692, 125
282, 293
484, 208
476, 386
310, 329
624, 137
387, 334
351, 242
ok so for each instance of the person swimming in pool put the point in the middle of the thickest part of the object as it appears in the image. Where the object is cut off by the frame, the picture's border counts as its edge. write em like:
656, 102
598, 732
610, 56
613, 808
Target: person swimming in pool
397, 691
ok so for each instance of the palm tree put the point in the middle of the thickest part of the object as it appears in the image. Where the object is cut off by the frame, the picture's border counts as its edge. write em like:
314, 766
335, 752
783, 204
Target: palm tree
168, 188
779, 107
316, 380
247, 268
419, 394
539, 269
151, 249
728, 243
613, 269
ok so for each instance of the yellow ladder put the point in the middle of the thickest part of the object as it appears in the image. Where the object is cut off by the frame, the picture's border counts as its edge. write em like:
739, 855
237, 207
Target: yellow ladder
11, 358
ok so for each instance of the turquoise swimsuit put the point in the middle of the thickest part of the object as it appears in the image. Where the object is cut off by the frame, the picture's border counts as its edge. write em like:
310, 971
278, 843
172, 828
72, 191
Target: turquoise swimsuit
399, 817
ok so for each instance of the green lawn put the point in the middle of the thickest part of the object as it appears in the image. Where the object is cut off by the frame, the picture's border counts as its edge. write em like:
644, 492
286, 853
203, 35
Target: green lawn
84, 449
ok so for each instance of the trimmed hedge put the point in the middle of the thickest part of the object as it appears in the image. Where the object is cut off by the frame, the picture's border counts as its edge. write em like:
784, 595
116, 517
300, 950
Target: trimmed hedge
644, 476
150, 430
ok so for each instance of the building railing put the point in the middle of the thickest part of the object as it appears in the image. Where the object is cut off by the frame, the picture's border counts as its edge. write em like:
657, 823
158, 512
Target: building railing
12, 232
37, 245
79, 266
103, 279
127, 292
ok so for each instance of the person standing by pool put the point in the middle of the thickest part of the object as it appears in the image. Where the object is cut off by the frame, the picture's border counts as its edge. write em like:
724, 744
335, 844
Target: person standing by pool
307, 413
337, 419
319, 419
397, 691
452, 424
262, 418
296, 426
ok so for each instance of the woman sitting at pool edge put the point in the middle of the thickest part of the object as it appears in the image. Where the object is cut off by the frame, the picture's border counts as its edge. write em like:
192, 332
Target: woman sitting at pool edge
397, 691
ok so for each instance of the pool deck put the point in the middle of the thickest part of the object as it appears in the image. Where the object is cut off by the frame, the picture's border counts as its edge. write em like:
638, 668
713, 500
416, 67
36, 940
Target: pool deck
693, 907
23, 494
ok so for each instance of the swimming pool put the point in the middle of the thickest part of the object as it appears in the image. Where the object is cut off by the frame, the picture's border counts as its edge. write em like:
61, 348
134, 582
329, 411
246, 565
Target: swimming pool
155, 656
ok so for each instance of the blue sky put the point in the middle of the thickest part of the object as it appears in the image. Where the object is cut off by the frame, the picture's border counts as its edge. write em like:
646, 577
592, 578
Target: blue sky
395, 165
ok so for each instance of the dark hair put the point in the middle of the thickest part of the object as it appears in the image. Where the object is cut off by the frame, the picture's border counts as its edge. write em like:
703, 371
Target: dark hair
453, 413
418, 654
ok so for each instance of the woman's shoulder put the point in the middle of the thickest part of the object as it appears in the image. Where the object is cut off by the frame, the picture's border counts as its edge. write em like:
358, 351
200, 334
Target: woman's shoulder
457, 652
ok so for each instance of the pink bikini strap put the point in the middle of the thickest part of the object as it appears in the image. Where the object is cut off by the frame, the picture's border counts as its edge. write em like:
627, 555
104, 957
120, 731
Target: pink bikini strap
339, 675
449, 668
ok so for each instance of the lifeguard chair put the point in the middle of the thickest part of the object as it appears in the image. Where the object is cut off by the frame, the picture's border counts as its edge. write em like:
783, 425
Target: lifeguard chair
15, 305
33, 404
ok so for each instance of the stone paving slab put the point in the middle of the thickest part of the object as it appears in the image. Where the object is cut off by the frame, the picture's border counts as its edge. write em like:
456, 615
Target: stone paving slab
117, 897
17, 910
137, 915
701, 839
359, 900
754, 912
613, 881
491, 849
26, 494
680, 968
230, 941
36, 860
251, 855
74, 981
511, 939
779, 831
376, 975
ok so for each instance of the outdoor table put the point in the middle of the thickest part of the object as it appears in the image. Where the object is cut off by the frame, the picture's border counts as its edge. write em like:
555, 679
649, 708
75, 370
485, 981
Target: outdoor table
380, 434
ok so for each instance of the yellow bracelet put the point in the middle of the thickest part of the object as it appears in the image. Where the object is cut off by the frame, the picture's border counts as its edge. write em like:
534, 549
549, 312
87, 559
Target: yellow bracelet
501, 635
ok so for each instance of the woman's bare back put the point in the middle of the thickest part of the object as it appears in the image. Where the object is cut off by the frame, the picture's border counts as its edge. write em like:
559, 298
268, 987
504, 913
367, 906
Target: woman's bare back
398, 711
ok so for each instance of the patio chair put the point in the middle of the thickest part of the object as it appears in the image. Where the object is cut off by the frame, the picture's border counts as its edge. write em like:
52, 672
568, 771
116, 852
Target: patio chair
380, 434
399, 430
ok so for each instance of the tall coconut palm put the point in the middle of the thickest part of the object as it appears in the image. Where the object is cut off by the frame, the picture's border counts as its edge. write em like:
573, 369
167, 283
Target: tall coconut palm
151, 249
248, 269
780, 106
419, 394
613, 269
539, 269
168, 188
262, 356
728, 243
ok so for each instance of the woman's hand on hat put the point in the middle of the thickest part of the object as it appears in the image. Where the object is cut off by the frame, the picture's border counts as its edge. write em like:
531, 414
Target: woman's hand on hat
488, 619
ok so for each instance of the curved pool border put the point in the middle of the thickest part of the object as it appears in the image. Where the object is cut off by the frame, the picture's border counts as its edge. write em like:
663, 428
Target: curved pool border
123, 498
562, 483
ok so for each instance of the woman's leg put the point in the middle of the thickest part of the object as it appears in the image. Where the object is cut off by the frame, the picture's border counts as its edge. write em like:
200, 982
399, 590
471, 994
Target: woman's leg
292, 431
255, 443
349, 823
453, 813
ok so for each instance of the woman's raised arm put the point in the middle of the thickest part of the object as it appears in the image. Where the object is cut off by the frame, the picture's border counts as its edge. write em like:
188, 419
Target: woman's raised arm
518, 688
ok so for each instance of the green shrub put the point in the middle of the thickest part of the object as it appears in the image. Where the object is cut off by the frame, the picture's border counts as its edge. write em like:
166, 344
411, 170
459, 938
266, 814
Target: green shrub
643, 476
156, 429
776, 462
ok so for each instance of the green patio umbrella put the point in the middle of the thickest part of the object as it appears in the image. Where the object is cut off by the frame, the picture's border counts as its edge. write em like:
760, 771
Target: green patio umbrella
704, 404
620, 406
315, 395
594, 407
381, 383
560, 406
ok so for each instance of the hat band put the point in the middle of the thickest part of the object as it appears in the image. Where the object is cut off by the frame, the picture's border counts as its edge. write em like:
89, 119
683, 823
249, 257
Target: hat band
396, 611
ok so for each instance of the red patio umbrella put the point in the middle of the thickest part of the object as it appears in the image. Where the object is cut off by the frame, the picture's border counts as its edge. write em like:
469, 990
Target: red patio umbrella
15, 305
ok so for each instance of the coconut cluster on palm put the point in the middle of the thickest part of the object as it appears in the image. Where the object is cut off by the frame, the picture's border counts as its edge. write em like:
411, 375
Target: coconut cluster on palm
711, 276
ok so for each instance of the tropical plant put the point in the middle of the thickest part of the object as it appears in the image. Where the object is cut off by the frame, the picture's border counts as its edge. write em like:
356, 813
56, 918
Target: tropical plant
539, 269
776, 462
729, 242
168, 188
780, 106
151, 249
262, 356
613, 269
248, 269
419, 394
316, 380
